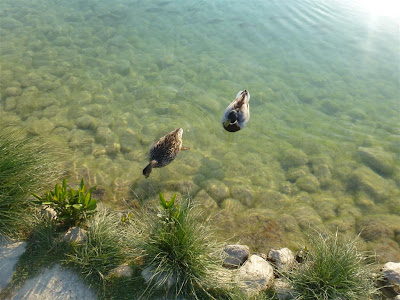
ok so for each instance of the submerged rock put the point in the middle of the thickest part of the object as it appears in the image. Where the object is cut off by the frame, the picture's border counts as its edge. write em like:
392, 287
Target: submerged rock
295, 173
293, 158
244, 194
217, 189
365, 179
308, 183
373, 229
377, 159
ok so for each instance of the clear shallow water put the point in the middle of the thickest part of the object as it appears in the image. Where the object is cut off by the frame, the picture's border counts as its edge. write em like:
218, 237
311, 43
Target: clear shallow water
107, 79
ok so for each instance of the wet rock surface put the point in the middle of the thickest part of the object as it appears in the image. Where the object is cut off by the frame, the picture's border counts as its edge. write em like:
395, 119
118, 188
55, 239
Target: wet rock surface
236, 255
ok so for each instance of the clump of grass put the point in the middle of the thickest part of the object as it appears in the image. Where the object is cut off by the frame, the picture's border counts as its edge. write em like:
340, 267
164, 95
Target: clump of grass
26, 165
180, 253
334, 269
102, 249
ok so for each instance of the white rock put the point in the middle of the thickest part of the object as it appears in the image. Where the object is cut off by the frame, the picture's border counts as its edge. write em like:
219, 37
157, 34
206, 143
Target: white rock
391, 272
236, 255
255, 275
282, 258
9, 255
55, 284
122, 271
75, 234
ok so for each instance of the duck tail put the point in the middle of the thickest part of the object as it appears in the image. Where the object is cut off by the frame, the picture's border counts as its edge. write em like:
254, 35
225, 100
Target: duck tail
147, 170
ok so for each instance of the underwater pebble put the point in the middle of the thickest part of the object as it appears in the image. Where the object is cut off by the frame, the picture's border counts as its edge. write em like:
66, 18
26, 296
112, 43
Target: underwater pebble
128, 140
293, 158
308, 183
94, 110
233, 205
365, 179
81, 140
345, 225
244, 194
98, 150
207, 203
104, 135
39, 127
372, 229
216, 189
307, 218
30, 79
271, 199
185, 187
323, 174
113, 149
86, 122
288, 223
377, 159
10, 103
13, 91
326, 209
295, 173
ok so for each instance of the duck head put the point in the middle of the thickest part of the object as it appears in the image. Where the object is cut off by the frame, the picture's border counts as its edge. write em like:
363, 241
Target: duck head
232, 118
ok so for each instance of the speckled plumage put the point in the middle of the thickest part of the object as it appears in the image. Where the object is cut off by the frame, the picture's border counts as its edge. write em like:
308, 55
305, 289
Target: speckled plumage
241, 109
164, 151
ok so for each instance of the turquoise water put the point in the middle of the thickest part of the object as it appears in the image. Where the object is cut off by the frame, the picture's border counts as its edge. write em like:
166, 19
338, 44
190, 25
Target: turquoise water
106, 79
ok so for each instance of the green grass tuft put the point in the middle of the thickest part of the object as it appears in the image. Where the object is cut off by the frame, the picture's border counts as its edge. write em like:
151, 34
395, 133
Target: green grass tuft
334, 269
180, 250
102, 250
26, 165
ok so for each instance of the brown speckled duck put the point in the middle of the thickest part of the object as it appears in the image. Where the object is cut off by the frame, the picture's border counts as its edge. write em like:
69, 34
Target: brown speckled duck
237, 114
164, 151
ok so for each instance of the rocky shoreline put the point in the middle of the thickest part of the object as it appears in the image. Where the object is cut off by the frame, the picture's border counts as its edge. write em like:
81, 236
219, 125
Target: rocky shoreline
253, 273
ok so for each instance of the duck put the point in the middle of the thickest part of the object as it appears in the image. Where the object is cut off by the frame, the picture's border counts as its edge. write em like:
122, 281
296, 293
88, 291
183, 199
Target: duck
164, 151
237, 114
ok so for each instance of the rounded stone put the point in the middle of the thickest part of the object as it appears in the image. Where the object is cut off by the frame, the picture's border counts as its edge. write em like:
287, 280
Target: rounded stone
86, 122
295, 173
244, 194
236, 255
308, 183
216, 189
255, 275
13, 91
293, 158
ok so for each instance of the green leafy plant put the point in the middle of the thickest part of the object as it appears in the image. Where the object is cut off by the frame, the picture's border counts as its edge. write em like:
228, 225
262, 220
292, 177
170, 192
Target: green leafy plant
72, 206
